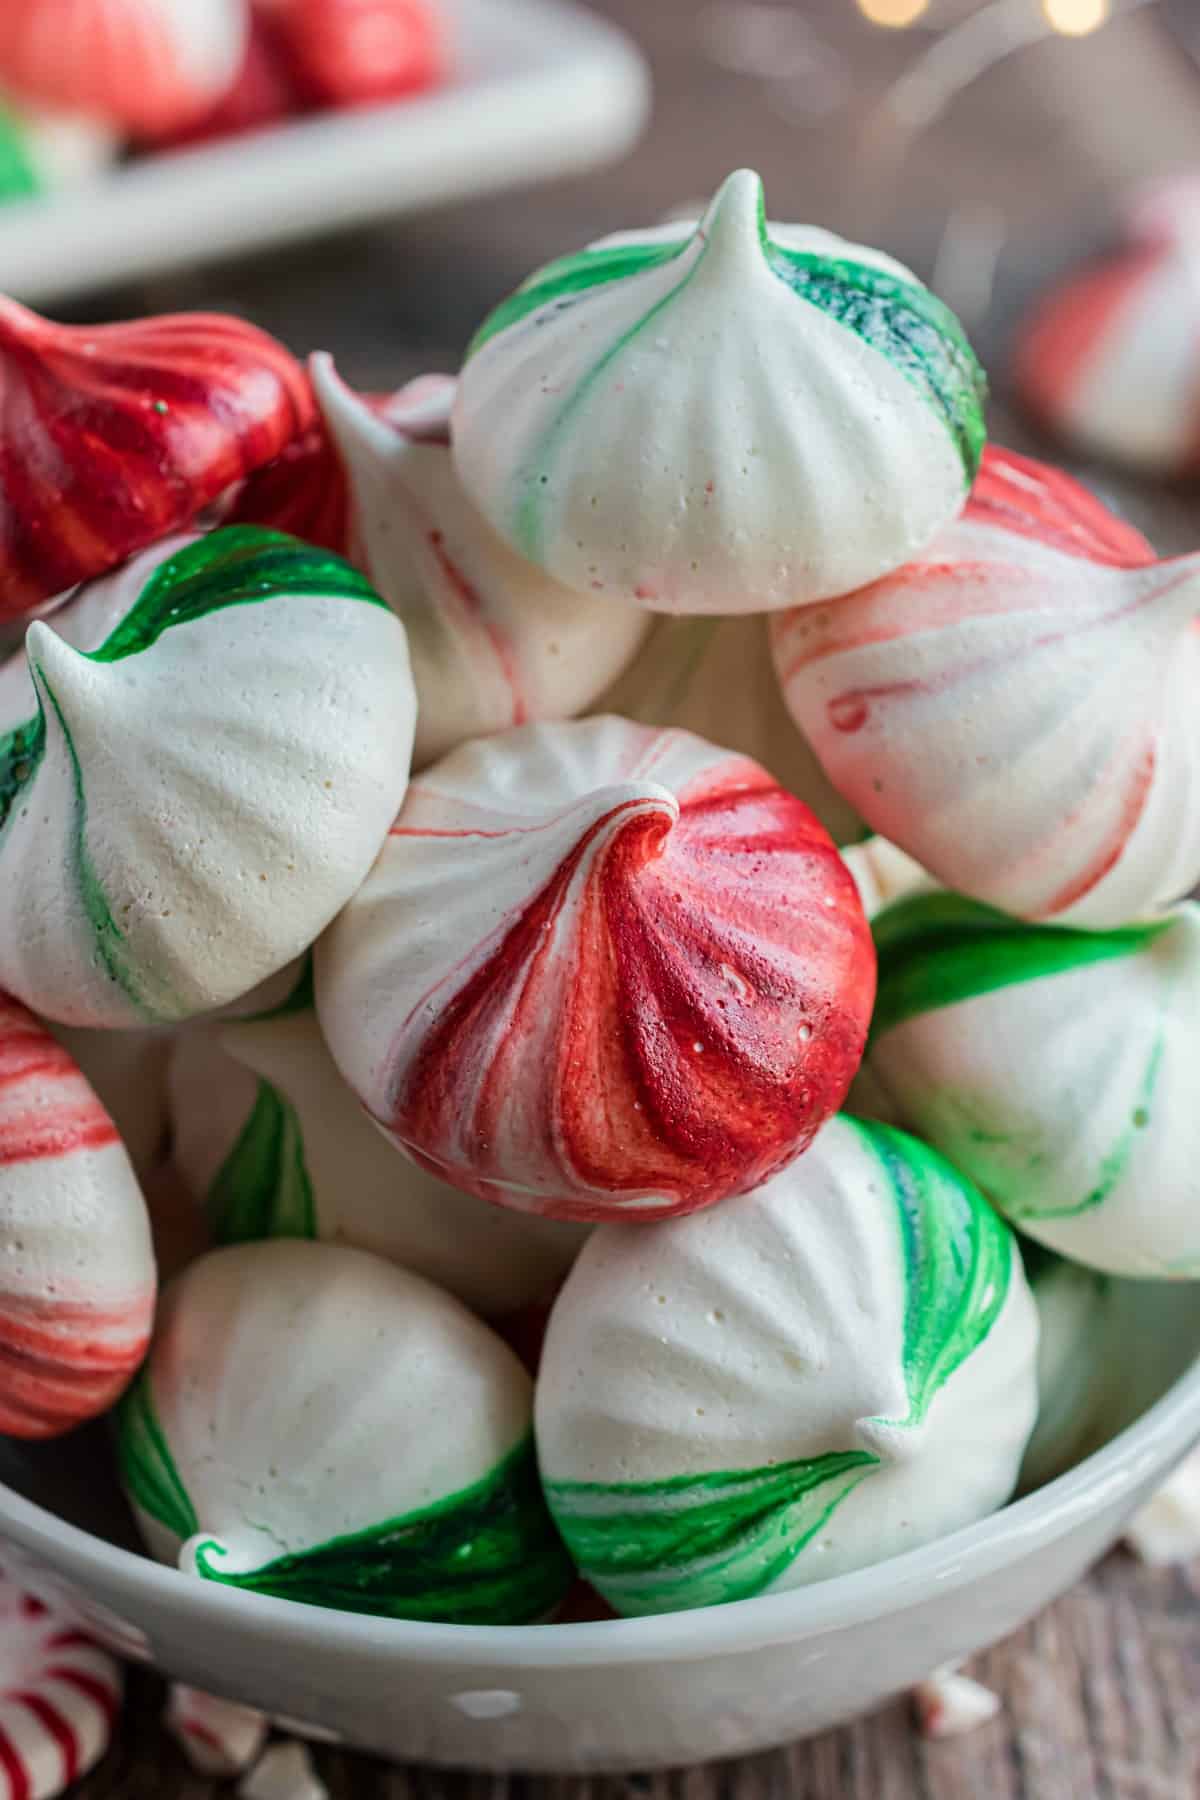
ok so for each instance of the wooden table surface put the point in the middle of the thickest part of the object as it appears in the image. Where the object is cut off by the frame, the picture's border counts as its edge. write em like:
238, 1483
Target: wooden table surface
1101, 1692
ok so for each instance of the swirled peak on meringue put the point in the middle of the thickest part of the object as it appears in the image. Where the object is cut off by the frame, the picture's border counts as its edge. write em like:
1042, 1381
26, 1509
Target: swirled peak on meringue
729, 418
1055, 1067
600, 969
1016, 709
494, 641
200, 756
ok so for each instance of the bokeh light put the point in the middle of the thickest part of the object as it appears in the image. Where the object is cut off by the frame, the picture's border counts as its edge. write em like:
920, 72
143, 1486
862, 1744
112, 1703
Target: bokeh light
894, 13
1076, 18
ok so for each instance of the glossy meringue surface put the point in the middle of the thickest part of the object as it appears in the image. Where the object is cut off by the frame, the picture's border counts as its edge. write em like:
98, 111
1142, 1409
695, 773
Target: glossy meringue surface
273, 1144
317, 1424
114, 436
192, 794
772, 1392
1016, 708
1056, 1068
733, 418
77, 1279
494, 641
599, 968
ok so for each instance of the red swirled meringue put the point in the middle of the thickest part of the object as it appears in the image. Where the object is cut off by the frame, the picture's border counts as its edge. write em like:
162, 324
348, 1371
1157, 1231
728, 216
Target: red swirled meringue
1017, 709
359, 52
147, 65
600, 969
113, 436
301, 491
60, 1694
1109, 359
76, 1265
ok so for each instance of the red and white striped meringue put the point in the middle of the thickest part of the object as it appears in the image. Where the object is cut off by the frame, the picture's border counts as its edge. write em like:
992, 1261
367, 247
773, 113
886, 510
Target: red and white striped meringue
148, 66
77, 1276
1109, 359
59, 1699
494, 640
219, 1737
600, 969
1017, 709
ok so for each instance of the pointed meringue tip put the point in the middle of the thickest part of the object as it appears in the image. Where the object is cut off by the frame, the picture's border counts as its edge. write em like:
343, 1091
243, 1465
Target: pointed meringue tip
53, 662
735, 223
637, 816
348, 418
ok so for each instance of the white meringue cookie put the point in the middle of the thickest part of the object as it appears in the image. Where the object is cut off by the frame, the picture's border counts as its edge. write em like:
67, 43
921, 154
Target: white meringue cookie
188, 802
773, 1391
730, 419
43, 151
494, 641
1056, 1068
315, 1423
269, 1137
599, 968
1016, 709
1079, 1366
716, 678
77, 1277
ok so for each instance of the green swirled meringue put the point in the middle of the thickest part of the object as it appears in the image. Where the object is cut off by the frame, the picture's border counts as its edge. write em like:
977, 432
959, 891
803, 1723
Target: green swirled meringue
726, 418
1056, 1067
776, 1390
200, 756
316, 1424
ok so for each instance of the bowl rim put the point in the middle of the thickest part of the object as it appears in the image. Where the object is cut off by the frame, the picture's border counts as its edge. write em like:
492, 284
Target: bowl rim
1152, 1443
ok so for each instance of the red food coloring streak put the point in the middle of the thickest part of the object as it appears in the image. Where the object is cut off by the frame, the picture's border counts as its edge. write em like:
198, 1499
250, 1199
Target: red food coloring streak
47, 1108
1036, 500
12, 1763
472, 605
114, 436
99, 1692
1067, 329
65, 1361
56, 1727
301, 491
667, 1077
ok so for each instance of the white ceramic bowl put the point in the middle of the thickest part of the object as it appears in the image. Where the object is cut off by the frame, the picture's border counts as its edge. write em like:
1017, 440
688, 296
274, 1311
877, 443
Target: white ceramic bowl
635, 1693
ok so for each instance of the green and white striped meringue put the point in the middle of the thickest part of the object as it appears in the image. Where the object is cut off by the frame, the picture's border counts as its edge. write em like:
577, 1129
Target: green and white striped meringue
807, 1379
731, 417
200, 756
1056, 1067
316, 1424
272, 1142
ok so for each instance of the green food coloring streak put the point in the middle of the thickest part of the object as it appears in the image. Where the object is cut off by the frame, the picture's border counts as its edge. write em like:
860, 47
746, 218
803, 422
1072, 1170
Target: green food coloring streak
698, 1540
18, 173
488, 1555
957, 1256
239, 565
263, 1189
147, 1467
939, 949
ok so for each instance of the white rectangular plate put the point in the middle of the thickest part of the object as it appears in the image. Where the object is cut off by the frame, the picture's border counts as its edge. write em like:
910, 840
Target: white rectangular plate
540, 88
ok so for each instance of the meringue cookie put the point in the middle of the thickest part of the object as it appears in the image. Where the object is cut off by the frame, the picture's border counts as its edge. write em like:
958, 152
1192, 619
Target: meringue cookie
1056, 1068
184, 806
127, 1071
948, 1704
362, 52
1078, 1366
379, 1459
301, 491
598, 969
43, 151
494, 641
76, 1265
883, 873
285, 1772
59, 1699
772, 1392
219, 1738
1036, 670
145, 66
272, 1141
112, 436
1109, 360
729, 419
716, 678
